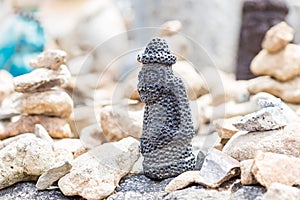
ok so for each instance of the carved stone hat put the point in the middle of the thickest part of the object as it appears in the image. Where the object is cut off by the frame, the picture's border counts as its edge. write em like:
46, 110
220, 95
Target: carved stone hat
157, 51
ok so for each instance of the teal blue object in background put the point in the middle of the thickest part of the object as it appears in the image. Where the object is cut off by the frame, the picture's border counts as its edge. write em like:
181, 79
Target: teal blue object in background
21, 39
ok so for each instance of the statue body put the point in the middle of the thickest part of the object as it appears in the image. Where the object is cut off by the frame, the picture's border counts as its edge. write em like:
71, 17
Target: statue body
167, 125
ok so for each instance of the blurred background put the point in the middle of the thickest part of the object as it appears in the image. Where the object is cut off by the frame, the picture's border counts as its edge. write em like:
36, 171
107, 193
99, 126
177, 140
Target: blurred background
78, 26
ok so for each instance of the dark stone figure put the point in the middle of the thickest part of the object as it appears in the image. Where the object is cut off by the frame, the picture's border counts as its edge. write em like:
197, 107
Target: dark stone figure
167, 126
258, 17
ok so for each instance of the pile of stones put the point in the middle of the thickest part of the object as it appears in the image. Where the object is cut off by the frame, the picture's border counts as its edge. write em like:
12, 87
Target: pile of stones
40, 99
266, 141
260, 133
278, 58
278, 65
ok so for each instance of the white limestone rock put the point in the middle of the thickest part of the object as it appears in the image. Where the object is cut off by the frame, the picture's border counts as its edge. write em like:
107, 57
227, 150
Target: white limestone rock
266, 119
95, 174
243, 145
278, 191
24, 159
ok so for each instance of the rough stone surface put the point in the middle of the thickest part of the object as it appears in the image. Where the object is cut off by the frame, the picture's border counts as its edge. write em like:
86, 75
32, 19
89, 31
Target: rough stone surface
242, 146
27, 190
265, 100
194, 194
266, 119
285, 169
288, 91
70, 144
225, 128
52, 175
56, 127
217, 168
140, 187
63, 155
278, 191
52, 103
24, 159
7, 113
66, 149
92, 136
95, 174
278, 37
51, 59
167, 126
247, 177
283, 66
119, 121
249, 193
257, 17
157, 51
137, 168
200, 160
7, 141
41, 80
183, 180
219, 145
131, 195
42, 133
6, 84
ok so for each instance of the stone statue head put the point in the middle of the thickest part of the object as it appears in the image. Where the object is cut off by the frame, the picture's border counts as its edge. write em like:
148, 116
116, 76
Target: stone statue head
155, 77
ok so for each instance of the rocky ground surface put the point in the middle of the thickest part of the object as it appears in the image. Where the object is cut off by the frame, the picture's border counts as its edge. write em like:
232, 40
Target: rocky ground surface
27, 190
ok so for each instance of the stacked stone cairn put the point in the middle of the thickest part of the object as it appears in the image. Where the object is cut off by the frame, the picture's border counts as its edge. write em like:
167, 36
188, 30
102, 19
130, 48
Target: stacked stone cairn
278, 65
278, 58
40, 99
266, 142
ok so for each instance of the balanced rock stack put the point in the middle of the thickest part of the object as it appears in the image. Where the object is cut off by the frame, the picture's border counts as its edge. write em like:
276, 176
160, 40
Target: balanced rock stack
39, 98
278, 58
267, 138
279, 62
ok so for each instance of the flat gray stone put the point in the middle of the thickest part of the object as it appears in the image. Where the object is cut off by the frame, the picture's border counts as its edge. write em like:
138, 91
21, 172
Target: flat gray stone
198, 194
131, 195
249, 193
218, 168
138, 187
141, 183
41, 80
52, 175
27, 190
266, 119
